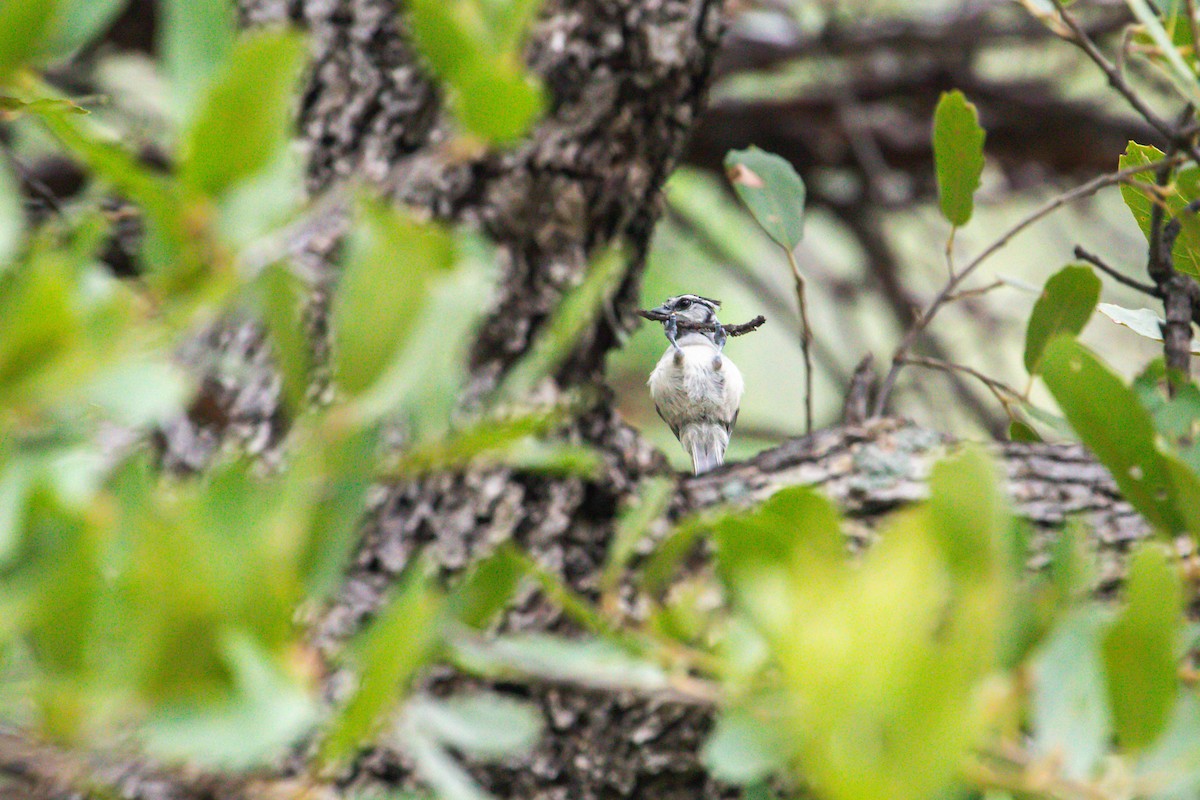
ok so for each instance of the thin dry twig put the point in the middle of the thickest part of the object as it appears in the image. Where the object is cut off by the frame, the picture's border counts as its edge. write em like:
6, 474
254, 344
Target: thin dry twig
684, 325
1098, 263
805, 340
947, 292
1004, 394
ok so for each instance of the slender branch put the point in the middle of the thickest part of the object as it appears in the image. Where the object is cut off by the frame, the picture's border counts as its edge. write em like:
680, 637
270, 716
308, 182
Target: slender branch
805, 340
1116, 79
976, 292
947, 292
685, 325
1112, 272
998, 388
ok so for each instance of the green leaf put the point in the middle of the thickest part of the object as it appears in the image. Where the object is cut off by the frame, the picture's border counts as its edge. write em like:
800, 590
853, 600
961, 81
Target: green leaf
483, 725
245, 119
24, 26
12, 218
390, 261
195, 38
653, 497
476, 49
589, 662
488, 588
268, 713
745, 746
393, 649
281, 300
1021, 432
574, 315
1140, 649
968, 514
79, 22
771, 190
1070, 715
36, 319
1113, 424
1184, 187
1064, 307
957, 155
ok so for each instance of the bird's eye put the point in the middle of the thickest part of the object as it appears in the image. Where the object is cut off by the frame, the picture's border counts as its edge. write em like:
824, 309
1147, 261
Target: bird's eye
684, 303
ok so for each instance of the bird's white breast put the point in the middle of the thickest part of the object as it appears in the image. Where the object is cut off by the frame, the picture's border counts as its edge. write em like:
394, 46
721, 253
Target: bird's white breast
703, 384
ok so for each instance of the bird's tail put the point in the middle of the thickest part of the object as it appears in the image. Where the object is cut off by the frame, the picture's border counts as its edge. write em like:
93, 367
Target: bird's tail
705, 442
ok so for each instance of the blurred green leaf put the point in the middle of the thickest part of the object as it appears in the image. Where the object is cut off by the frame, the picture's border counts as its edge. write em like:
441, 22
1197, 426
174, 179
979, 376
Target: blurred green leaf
1139, 649
267, 713
1112, 423
968, 513
281, 300
653, 497
475, 47
488, 588
772, 191
662, 565
396, 645
1070, 714
1021, 432
575, 314
1064, 307
483, 725
745, 746
390, 261
16, 483
37, 320
437, 768
957, 155
12, 219
79, 22
245, 119
195, 38
1187, 493
24, 26
1172, 764
141, 393
1184, 187
588, 662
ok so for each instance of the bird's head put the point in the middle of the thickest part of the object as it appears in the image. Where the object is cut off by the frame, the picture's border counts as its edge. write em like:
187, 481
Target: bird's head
688, 307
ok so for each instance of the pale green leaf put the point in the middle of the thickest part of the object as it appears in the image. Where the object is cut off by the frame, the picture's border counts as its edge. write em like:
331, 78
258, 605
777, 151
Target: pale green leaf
1064, 307
958, 155
772, 191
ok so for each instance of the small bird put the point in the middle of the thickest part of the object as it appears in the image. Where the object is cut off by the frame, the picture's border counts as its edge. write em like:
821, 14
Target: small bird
696, 389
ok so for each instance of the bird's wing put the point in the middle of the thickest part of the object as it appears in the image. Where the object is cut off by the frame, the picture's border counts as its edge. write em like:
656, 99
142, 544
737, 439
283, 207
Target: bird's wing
674, 428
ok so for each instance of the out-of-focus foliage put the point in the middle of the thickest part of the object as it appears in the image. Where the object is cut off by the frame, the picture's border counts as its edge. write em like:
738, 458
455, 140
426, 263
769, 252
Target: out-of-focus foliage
163, 605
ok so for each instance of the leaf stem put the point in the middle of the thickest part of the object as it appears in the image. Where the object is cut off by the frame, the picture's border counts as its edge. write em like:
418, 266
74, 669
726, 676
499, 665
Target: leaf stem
805, 339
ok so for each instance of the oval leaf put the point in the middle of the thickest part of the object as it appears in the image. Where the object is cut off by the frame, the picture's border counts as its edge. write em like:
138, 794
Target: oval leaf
957, 155
1184, 186
1065, 306
246, 117
1139, 649
1113, 424
771, 190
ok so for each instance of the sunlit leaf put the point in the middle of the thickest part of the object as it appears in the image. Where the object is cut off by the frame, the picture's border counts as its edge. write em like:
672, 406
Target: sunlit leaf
958, 155
475, 47
772, 191
24, 25
1139, 649
1142, 321
1184, 187
245, 119
1064, 307
488, 588
1112, 423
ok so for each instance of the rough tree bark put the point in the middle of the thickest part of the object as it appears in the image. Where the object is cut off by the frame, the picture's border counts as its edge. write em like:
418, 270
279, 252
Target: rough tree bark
628, 79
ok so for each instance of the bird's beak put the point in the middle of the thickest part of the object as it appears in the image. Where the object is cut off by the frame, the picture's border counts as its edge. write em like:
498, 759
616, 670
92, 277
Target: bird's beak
657, 314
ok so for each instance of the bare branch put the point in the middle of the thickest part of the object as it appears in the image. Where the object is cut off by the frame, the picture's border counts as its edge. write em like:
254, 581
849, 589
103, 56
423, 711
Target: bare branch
684, 325
922, 322
1112, 272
